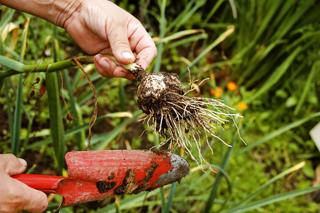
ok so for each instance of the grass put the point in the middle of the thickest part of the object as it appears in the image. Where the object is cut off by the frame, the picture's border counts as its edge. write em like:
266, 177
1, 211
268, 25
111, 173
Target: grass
15, 143
270, 52
216, 183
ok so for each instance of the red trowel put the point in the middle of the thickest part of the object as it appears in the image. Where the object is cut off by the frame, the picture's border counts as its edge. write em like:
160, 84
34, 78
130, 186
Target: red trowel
94, 175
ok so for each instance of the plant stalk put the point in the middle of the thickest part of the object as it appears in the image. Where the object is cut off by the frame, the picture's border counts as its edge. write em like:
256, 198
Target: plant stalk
16, 67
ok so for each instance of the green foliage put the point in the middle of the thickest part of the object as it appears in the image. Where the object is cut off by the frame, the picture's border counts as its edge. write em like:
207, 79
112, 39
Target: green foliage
270, 49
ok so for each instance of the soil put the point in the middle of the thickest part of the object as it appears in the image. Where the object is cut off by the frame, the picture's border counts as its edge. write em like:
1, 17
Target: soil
155, 90
127, 183
104, 186
156, 94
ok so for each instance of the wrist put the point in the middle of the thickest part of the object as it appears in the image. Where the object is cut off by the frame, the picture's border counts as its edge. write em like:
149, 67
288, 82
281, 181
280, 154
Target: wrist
62, 10
55, 11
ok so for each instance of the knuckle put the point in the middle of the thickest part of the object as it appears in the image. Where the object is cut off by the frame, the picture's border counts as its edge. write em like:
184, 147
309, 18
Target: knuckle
15, 198
8, 209
120, 43
10, 163
6, 160
134, 21
10, 157
114, 27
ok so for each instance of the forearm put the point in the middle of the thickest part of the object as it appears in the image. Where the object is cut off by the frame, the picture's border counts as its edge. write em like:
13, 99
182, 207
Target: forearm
55, 11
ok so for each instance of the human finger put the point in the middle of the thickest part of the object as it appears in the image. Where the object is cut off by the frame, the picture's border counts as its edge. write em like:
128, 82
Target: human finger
12, 165
35, 201
108, 68
119, 43
16, 197
142, 43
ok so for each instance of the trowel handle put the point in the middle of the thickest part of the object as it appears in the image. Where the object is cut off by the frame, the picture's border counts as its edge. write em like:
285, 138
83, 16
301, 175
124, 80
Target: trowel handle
45, 183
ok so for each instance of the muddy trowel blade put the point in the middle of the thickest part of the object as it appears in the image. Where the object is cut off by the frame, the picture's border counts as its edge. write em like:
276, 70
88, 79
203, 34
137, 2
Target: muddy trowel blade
98, 174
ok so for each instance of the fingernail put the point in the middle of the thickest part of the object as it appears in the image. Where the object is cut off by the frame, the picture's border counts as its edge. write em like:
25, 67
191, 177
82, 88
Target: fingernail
105, 64
98, 56
23, 162
127, 55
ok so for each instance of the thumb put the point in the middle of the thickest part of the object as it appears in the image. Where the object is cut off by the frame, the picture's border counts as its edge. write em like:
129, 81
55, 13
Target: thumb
118, 39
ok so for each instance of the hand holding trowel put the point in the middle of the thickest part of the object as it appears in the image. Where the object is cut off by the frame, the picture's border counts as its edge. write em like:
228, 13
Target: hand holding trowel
94, 175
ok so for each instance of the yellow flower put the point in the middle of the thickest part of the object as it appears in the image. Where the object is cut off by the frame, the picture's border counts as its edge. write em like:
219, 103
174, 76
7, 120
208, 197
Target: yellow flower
232, 86
216, 92
242, 106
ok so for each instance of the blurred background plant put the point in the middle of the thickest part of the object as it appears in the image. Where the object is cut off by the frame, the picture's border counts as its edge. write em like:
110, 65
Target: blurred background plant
261, 57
